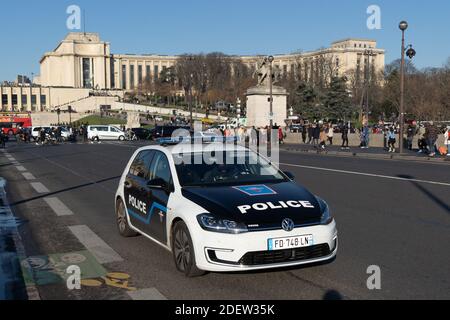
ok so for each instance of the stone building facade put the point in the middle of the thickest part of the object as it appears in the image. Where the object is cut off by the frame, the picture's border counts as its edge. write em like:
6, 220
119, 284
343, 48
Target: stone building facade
83, 62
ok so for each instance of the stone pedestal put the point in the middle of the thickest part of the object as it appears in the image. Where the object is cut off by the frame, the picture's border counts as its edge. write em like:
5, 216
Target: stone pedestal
133, 120
258, 106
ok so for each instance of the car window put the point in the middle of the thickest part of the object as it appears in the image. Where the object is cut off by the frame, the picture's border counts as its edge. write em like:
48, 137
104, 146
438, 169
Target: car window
141, 164
113, 129
160, 168
243, 168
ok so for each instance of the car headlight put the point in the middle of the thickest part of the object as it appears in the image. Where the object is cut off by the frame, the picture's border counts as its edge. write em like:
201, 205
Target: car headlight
211, 223
325, 210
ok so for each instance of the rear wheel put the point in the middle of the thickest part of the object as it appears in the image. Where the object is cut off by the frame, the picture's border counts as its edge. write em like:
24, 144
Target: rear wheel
122, 221
183, 251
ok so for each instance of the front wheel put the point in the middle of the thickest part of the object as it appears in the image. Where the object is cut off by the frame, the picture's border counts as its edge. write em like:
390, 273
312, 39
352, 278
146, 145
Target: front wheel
121, 138
183, 251
122, 221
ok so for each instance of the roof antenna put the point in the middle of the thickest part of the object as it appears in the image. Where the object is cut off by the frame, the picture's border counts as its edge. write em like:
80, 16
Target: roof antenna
84, 21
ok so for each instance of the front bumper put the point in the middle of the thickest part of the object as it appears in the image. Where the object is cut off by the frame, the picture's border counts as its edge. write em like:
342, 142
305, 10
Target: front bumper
219, 252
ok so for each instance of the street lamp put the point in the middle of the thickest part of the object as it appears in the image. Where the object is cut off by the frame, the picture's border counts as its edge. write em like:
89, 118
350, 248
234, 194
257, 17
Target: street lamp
270, 59
58, 112
191, 79
69, 108
238, 111
410, 53
367, 81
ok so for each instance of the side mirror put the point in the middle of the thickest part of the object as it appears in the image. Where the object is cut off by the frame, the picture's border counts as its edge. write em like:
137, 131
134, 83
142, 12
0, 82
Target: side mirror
289, 174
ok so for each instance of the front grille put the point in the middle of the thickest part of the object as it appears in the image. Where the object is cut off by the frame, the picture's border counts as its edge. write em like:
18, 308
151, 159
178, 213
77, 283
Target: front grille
282, 256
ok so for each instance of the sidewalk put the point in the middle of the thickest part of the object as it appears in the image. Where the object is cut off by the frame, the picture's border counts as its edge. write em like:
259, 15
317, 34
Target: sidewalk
12, 286
371, 153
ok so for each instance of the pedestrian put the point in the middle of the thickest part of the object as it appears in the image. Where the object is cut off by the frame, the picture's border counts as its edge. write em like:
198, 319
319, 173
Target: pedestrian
345, 129
323, 138
258, 137
59, 134
304, 133
42, 136
310, 133
316, 135
411, 132
280, 135
432, 133
447, 140
85, 134
3, 138
240, 134
365, 136
263, 133
391, 140
330, 134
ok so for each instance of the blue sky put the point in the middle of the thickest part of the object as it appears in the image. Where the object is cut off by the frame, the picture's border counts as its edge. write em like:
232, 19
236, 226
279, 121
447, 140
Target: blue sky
30, 28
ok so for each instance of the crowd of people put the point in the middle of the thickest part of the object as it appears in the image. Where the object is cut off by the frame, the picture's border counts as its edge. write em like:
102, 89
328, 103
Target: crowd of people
254, 135
320, 134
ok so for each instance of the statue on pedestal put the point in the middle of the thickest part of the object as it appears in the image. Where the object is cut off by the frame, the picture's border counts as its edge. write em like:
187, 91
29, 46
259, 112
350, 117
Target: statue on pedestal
263, 73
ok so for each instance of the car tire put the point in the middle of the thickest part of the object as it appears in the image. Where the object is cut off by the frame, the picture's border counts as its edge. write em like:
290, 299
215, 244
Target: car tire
122, 221
183, 251
121, 138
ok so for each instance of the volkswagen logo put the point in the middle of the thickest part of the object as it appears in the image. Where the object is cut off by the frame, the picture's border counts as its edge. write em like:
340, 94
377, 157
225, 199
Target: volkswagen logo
288, 225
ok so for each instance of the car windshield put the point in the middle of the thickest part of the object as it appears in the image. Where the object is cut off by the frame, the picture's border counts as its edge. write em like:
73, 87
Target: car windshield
235, 168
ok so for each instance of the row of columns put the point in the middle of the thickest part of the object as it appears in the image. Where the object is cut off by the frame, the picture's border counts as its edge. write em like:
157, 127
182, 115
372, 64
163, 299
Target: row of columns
118, 70
21, 105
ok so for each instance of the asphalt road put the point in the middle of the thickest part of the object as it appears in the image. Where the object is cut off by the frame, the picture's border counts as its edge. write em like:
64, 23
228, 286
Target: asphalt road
392, 214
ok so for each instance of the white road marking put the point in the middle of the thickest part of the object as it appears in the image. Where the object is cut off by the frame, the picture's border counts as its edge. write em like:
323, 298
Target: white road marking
146, 295
10, 158
58, 207
39, 187
367, 174
101, 251
28, 176
21, 168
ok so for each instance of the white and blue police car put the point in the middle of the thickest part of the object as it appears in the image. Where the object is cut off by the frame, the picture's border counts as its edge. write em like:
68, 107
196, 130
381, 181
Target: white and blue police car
222, 209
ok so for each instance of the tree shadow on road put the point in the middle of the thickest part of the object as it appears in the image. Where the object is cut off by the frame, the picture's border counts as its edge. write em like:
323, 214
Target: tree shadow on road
429, 194
64, 190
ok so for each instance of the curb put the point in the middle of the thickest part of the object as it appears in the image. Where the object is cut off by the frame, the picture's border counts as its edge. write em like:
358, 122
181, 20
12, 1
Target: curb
31, 289
367, 155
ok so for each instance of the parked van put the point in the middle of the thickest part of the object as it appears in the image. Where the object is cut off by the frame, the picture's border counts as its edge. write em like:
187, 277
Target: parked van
105, 133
